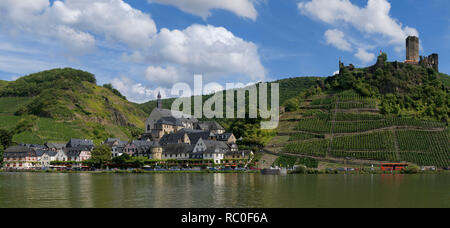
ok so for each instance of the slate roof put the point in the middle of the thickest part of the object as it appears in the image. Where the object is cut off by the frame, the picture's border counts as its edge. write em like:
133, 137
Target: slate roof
39, 152
75, 151
195, 135
140, 143
184, 118
80, 142
224, 137
215, 146
170, 121
34, 146
55, 146
210, 126
111, 141
51, 153
178, 149
18, 151
174, 138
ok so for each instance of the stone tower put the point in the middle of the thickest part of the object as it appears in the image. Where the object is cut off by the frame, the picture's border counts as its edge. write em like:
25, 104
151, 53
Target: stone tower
159, 101
412, 49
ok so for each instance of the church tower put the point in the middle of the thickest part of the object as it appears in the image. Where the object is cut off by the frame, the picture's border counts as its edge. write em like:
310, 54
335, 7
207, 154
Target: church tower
159, 101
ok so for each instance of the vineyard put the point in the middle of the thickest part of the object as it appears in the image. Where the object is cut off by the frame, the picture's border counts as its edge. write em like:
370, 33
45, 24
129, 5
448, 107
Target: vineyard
335, 131
290, 161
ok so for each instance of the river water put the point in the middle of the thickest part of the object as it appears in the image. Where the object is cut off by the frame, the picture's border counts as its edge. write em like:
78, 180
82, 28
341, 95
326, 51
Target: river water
222, 190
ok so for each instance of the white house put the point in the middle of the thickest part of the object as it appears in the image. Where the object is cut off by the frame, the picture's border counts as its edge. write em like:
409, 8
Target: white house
61, 155
211, 150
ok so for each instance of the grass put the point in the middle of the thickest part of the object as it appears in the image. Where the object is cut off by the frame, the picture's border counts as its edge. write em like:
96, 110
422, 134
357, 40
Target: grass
9, 105
8, 122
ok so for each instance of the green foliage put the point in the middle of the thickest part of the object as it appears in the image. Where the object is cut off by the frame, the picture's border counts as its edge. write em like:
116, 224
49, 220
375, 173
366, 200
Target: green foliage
384, 57
2, 150
424, 148
378, 141
403, 89
9, 105
411, 169
25, 124
300, 170
34, 84
305, 136
115, 91
101, 155
292, 104
68, 104
121, 160
5, 138
290, 161
314, 148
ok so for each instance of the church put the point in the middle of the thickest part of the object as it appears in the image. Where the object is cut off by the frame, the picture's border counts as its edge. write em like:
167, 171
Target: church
162, 121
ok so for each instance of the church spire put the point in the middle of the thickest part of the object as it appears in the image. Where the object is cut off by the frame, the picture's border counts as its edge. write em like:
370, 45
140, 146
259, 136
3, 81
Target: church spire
159, 101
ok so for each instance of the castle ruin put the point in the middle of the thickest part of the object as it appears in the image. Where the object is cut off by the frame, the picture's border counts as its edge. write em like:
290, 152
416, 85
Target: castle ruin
413, 57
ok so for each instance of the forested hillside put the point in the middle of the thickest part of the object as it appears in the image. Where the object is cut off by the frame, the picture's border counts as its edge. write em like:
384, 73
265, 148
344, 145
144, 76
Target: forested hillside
59, 104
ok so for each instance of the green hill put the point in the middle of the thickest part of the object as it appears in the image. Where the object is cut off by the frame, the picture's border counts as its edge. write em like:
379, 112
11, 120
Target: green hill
390, 111
60, 104
347, 126
404, 89
249, 129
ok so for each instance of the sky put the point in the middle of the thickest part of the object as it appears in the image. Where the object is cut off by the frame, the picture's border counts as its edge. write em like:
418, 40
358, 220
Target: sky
143, 47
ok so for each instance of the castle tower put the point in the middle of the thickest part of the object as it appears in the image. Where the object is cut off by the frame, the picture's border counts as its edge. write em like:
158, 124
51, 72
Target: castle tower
412, 49
156, 152
159, 101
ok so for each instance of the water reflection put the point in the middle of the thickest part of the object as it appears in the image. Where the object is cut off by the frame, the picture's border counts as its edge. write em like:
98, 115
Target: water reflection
222, 190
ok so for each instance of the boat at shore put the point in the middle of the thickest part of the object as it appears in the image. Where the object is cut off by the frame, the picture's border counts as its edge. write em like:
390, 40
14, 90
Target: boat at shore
274, 171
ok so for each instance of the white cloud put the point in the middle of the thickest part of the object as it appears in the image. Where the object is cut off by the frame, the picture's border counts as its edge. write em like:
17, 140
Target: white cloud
336, 38
373, 22
112, 25
76, 22
163, 76
78, 42
135, 92
202, 8
364, 56
212, 51
373, 19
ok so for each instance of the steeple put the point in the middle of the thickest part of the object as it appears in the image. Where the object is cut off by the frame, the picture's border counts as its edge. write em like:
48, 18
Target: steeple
159, 101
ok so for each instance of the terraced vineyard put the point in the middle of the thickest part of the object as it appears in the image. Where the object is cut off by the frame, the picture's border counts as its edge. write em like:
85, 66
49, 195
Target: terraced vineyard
336, 132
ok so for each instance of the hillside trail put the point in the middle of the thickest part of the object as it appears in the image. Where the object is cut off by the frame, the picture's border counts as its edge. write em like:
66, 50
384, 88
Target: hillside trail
267, 160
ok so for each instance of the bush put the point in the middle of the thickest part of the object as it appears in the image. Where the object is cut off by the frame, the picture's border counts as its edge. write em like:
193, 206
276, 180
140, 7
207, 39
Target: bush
411, 170
300, 170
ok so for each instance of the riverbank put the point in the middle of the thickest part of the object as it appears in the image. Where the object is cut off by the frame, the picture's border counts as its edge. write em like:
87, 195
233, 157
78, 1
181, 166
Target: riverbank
304, 170
290, 172
127, 171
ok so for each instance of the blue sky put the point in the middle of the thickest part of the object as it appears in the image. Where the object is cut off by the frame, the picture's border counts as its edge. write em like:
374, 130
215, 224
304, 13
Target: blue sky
145, 46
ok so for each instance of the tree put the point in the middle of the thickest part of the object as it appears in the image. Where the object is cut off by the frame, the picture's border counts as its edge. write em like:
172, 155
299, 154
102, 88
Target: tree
292, 105
101, 155
1, 154
121, 159
5, 138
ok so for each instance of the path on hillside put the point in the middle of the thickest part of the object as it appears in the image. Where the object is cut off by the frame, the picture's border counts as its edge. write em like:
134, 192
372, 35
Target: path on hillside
397, 148
267, 160
332, 129
366, 132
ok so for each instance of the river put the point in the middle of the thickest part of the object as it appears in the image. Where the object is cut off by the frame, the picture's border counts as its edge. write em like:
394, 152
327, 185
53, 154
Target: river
88, 190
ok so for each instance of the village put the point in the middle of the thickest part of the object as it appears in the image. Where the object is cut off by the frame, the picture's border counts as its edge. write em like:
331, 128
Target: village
183, 142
